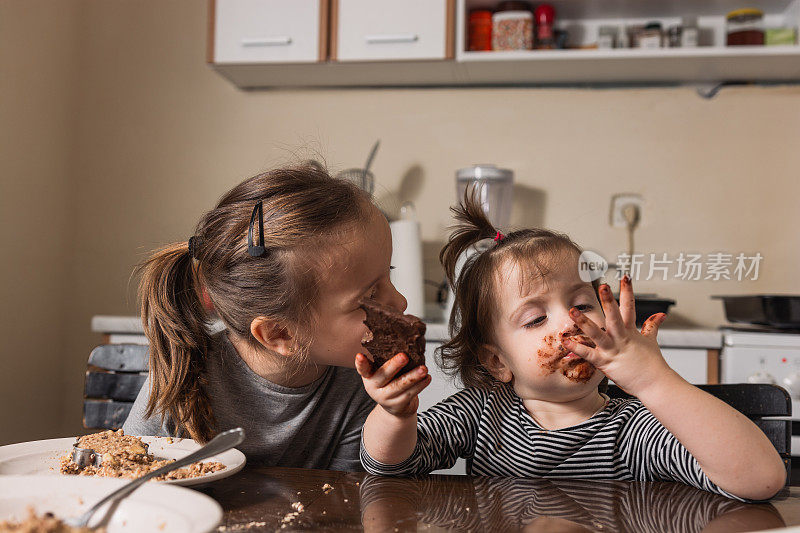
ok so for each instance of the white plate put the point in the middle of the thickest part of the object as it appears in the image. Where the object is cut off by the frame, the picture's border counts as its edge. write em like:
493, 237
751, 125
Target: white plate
42, 457
153, 507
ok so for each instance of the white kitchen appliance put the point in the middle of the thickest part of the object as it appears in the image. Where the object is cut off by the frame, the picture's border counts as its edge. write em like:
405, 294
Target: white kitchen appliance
764, 356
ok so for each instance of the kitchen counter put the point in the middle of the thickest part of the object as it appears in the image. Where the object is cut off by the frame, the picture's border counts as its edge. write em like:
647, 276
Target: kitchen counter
270, 499
437, 332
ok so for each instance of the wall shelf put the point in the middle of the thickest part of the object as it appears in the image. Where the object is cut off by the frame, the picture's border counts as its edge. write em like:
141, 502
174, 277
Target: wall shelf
552, 67
713, 63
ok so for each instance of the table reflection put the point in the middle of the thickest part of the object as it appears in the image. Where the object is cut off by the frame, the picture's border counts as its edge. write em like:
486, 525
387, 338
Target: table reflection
514, 504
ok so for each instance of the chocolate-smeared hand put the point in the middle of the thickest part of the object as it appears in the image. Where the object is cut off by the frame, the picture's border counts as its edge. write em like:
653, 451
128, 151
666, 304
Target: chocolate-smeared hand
632, 359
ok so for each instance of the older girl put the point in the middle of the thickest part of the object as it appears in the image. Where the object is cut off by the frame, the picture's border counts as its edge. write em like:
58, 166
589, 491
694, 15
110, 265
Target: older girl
283, 259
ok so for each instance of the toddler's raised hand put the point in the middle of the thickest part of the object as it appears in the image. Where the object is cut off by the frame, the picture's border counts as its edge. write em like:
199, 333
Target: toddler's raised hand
630, 358
397, 396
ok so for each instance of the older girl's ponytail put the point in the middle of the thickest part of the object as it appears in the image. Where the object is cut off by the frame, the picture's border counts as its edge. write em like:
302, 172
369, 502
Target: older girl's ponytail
175, 322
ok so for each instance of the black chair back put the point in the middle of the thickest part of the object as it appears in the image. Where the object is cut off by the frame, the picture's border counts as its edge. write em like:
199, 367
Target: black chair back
114, 375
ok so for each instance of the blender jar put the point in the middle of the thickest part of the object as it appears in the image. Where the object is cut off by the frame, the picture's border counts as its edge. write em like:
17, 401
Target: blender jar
494, 188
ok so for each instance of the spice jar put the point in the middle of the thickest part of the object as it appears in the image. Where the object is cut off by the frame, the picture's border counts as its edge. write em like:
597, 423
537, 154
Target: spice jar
674, 36
745, 27
690, 35
648, 37
512, 26
606, 37
544, 16
480, 30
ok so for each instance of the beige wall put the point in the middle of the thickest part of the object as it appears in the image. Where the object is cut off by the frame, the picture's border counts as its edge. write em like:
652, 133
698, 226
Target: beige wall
37, 81
155, 137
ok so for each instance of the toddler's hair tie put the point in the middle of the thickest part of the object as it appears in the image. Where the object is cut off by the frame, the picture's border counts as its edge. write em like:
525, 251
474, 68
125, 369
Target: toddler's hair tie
499, 237
194, 246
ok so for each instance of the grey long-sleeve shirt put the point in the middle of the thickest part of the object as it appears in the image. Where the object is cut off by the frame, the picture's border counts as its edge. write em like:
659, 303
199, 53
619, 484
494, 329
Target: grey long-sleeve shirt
314, 426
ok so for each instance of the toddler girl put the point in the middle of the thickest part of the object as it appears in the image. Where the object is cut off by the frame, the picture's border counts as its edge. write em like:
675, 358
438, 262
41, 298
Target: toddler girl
531, 342
283, 260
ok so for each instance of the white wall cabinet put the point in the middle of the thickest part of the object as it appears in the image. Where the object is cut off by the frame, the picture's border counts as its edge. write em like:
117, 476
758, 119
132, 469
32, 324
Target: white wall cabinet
371, 30
269, 31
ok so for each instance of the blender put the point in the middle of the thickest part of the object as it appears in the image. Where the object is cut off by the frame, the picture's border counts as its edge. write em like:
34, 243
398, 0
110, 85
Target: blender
493, 187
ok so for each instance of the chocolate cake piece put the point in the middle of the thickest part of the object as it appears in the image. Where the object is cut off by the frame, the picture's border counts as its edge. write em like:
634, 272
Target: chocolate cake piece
391, 333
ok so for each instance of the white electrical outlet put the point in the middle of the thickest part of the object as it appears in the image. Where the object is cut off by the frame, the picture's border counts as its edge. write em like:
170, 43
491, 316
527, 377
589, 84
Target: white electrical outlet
619, 202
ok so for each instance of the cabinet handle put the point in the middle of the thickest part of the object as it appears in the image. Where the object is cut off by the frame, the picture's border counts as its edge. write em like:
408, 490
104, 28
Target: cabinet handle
391, 38
268, 41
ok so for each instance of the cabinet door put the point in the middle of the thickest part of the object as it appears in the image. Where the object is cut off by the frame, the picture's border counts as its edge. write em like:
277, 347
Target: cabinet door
388, 29
690, 363
269, 31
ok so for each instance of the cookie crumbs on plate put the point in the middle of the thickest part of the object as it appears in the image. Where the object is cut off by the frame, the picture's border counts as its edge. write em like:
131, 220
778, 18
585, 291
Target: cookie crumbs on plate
126, 456
297, 506
47, 523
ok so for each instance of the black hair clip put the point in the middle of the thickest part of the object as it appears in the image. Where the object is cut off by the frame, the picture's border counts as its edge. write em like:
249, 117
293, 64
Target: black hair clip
252, 249
194, 246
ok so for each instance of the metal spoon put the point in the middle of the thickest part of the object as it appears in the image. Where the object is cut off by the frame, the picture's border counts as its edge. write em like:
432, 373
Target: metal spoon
84, 457
222, 442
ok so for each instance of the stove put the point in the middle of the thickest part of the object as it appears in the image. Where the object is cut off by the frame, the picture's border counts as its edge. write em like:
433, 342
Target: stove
764, 355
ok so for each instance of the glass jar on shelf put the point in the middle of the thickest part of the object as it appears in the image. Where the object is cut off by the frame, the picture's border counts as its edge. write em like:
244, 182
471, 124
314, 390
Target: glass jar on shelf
649, 36
745, 27
690, 33
606, 37
512, 26
480, 30
544, 17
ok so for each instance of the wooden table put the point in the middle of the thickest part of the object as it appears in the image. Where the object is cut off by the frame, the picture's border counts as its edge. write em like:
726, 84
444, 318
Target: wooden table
270, 499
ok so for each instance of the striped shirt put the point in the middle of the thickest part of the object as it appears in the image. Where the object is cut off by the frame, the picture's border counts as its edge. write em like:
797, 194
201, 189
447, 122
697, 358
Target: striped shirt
493, 431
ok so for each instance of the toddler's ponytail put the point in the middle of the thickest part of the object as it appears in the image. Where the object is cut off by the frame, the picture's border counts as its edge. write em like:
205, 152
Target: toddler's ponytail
175, 321
472, 225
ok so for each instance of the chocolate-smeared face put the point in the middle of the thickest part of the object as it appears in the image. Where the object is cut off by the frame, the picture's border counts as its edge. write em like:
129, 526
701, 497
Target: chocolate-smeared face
531, 323
553, 357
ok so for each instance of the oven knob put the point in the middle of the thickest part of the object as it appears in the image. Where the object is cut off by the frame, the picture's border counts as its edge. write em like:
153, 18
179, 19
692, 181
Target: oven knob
792, 384
762, 376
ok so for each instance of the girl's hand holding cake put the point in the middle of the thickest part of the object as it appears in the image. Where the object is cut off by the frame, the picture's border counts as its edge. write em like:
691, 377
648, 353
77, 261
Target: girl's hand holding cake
397, 397
630, 358
396, 344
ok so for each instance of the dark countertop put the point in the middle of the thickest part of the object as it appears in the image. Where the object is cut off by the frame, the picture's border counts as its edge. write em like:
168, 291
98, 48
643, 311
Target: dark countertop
262, 498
